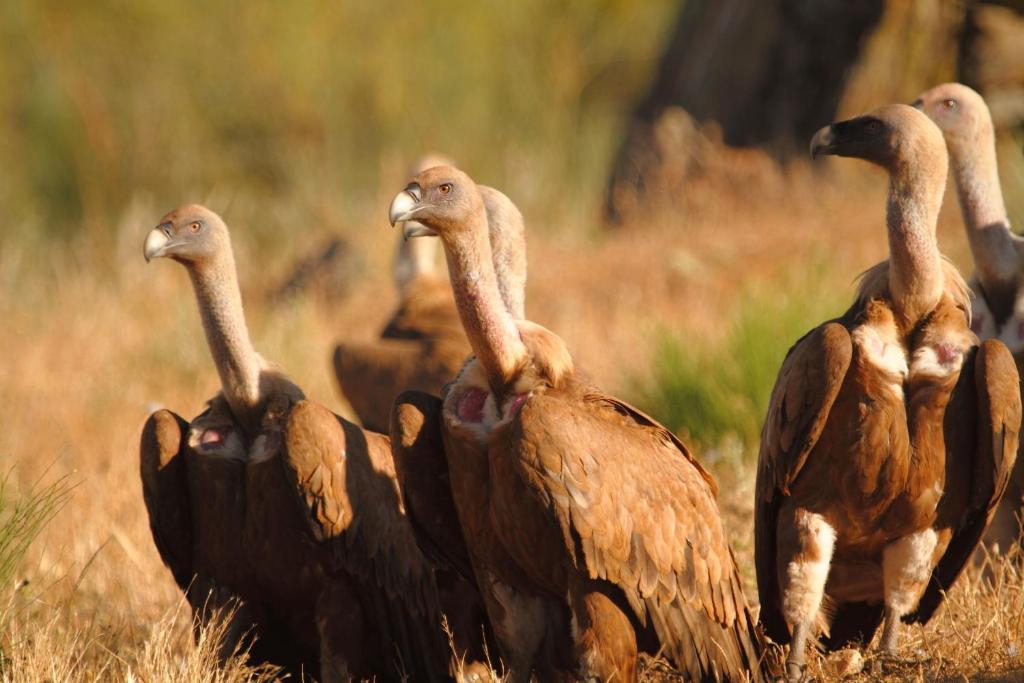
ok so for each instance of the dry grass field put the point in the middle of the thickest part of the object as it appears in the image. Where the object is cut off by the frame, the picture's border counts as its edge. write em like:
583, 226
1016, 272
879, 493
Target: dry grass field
96, 339
278, 117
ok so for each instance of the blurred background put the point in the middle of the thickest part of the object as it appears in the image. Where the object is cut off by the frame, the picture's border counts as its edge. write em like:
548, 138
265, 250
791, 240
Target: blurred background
679, 239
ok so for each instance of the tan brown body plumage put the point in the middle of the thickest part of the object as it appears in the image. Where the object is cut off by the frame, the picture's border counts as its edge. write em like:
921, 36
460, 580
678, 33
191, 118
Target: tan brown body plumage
890, 431
293, 510
998, 283
593, 533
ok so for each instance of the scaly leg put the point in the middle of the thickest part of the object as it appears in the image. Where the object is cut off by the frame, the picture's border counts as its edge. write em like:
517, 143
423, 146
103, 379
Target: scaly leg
906, 568
805, 546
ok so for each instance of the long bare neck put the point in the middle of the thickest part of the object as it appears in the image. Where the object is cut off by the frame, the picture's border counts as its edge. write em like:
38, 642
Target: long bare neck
220, 307
414, 258
490, 327
915, 264
981, 202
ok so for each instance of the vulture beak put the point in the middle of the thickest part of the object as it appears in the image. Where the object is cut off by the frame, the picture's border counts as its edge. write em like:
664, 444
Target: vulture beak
158, 241
416, 229
823, 142
405, 204
918, 104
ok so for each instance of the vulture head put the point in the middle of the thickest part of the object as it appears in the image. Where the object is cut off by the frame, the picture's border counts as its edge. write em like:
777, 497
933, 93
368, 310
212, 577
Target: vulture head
190, 234
440, 201
959, 112
893, 136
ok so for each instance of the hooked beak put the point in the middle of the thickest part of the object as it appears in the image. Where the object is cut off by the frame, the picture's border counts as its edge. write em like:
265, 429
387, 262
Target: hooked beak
405, 204
158, 241
918, 104
823, 142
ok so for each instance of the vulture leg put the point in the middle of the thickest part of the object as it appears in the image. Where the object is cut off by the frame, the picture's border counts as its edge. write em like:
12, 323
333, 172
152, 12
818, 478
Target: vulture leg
805, 546
906, 568
604, 642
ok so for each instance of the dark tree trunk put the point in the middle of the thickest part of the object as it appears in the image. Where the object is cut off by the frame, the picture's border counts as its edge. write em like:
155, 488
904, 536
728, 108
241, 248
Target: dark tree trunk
769, 72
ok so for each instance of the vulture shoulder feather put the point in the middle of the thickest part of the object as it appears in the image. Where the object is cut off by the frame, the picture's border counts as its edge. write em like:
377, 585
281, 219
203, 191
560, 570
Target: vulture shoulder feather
807, 386
990, 457
165, 491
662, 545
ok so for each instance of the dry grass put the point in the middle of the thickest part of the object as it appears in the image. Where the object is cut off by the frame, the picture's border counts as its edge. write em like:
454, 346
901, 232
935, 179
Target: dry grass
96, 339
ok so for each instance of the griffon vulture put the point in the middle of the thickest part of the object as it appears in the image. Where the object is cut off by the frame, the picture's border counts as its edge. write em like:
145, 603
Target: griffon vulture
891, 431
593, 532
423, 346
998, 283
233, 495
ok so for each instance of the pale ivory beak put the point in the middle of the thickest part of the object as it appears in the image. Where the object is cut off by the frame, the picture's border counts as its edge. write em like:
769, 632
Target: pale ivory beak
156, 243
416, 229
823, 142
405, 204
403, 207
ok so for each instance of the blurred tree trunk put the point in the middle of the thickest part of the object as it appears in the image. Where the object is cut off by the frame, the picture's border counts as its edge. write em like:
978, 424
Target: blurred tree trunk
769, 73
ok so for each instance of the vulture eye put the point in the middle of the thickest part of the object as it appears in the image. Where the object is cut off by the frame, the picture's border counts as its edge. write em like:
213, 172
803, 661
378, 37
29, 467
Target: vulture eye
195, 226
445, 188
949, 104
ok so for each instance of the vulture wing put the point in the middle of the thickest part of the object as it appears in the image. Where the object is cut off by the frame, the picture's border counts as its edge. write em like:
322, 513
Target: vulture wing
635, 509
371, 375
991, 457
804, 392
422, 469
345, 478
165, 490
427, 312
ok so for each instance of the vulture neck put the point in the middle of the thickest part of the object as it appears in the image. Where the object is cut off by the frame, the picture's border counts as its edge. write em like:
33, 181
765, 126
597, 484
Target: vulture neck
915, 264
491, 329
508, 251
981, 202
415, 259
220, 306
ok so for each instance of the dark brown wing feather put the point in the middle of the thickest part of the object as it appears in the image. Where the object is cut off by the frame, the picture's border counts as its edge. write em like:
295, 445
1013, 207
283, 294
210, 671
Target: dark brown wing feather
371, 375
165, 491
427, 311
346, 479
991, 455
635, 511
422, 468
417, 444
806, 388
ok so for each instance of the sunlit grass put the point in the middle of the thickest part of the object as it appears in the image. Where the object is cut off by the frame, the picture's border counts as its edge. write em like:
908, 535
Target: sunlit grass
716, 391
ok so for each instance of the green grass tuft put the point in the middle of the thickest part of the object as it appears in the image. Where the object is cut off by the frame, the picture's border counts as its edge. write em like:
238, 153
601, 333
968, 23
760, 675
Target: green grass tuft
716, 393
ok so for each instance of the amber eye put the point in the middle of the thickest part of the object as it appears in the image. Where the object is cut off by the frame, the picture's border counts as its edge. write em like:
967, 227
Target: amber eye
445, 188
949, 104
195, 225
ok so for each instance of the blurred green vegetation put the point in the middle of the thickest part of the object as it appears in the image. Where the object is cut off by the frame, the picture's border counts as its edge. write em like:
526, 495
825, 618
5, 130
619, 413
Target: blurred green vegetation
716, 391
23, 515
308, 102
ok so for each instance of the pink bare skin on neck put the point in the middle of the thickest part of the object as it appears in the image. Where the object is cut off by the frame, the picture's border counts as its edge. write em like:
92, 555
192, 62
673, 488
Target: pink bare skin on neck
214, 437
471, 405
